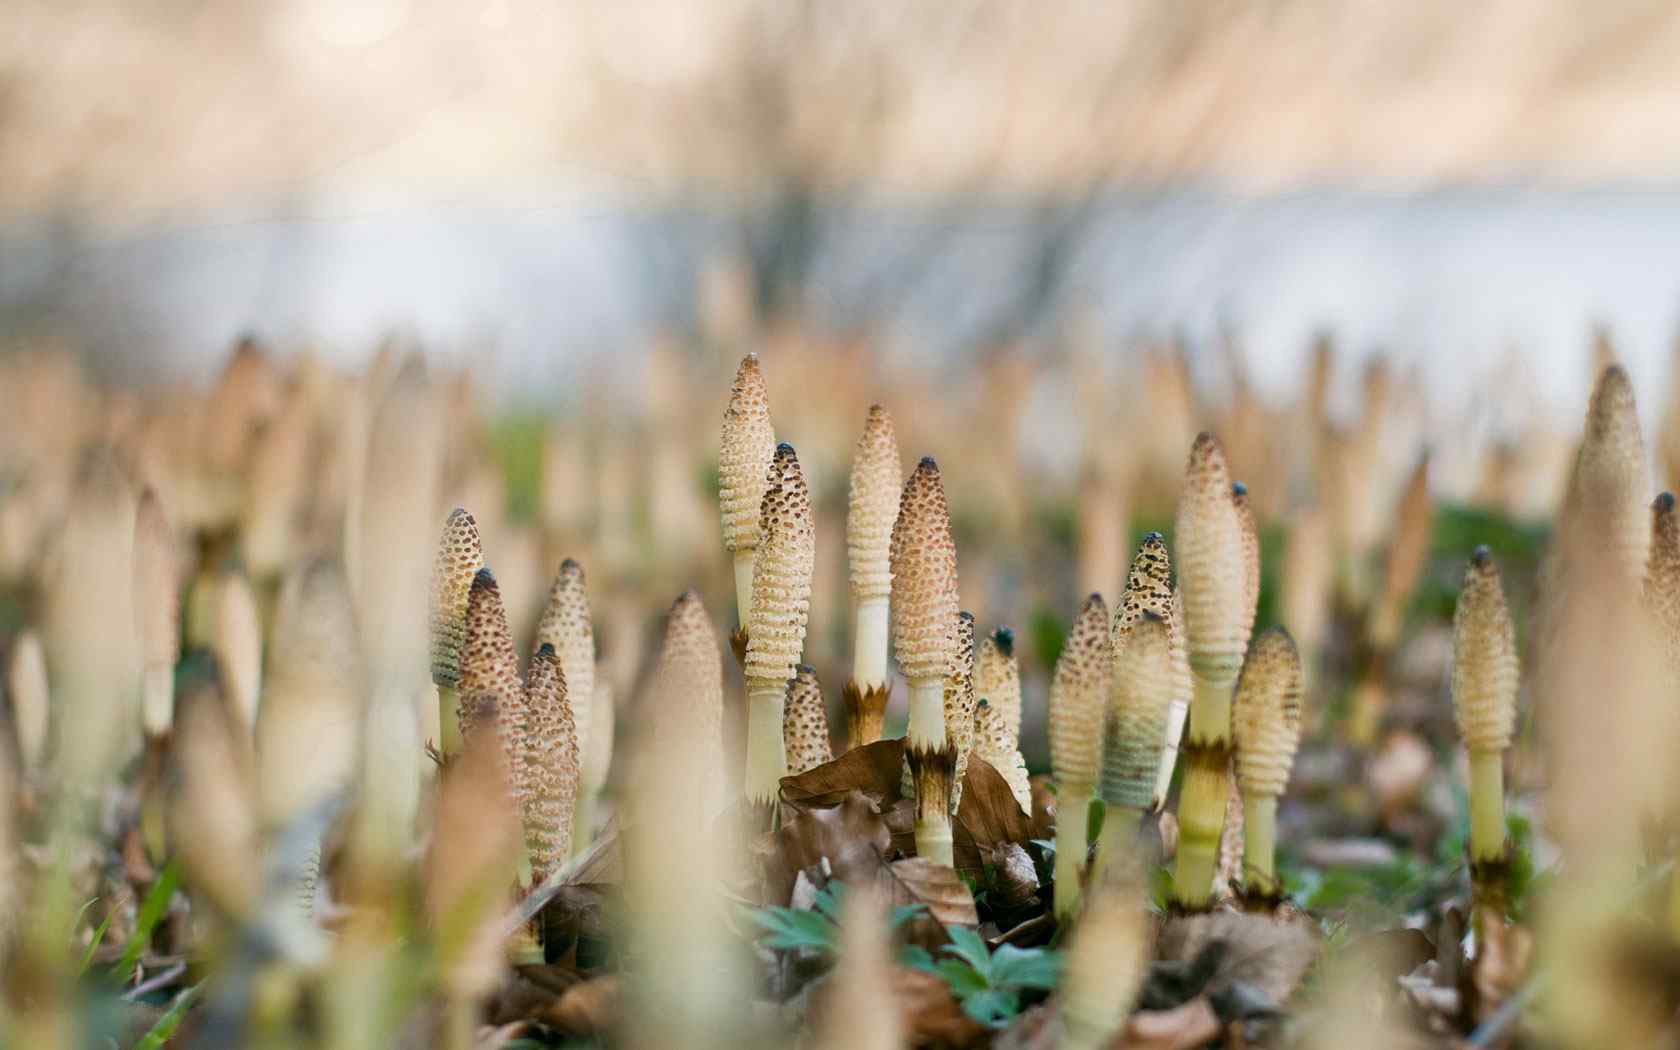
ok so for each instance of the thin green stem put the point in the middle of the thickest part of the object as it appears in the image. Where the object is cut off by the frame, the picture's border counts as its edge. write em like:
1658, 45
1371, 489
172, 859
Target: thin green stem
1260, 845
1073, 803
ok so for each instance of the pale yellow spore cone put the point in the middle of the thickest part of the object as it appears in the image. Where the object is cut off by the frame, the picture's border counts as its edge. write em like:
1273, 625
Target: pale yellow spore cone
924, 568
1266, 715
1485, 662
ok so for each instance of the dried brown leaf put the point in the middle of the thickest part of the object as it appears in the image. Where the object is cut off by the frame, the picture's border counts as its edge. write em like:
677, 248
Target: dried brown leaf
917, 880
1181, 1028
1270, 951
932, 1015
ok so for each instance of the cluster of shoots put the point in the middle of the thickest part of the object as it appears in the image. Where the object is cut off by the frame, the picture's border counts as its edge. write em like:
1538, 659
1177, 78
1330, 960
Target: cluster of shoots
1078, 698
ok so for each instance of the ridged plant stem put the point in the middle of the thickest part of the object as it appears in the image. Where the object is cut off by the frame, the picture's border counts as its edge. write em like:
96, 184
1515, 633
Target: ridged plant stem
449, 719
933, 840
1117, 840
1073, 805
1487, 806
1207, 774
927, 713
869, 644
766, 753
1260, 845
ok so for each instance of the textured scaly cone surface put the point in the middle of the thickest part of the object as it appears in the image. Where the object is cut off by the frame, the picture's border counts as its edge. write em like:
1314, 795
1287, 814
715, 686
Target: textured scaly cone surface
781, 604
1266, 722
1078, 698
459, 557
1250, 554
805, 723
1139, 701
1213, 582
997, 680
924, 606
490, 676
876, 480
1484, 685
157, 605
747, 445
960, 700
552, 765
994, 745
1149, 591
1662, 573
1607, 493
566, 625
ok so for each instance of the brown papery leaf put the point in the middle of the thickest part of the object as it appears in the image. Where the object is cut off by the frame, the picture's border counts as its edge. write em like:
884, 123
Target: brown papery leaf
874, 770
586, 1008
851, 836
932, 1015
1043, 808
1271, 952
988, 817
917, 880
1181, 1028
1503, 955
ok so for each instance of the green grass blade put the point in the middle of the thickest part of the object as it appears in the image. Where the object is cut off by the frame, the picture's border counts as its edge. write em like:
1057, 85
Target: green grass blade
171, 1019
152, 910
98, 938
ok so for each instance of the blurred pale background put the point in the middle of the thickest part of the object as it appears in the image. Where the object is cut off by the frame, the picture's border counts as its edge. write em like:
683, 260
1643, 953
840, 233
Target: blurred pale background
531, 182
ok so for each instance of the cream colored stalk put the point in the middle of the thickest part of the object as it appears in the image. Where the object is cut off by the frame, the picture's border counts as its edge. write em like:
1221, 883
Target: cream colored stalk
993, 744
933, 768
597, 763
1266, 721
852, 1017
744, 462
997, 680
805, 723
306, 729
552, 765
781, 599
459, 557
212, 811
1307, 577
960, 701
1139, 704
238, 647
567, 625
1106, 964
1213, 579
876, 481
1484, 684
26, 688
1078, 694
157, 603
924, 607
1606, 497
475, 842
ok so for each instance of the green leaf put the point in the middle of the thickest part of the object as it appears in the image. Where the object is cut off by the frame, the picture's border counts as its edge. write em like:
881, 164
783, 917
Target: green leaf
991, 1007
152, 911
827, 901
171, 1019
907, 912
969, 946
915, 957
1025, 967
795, 928
964, 979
